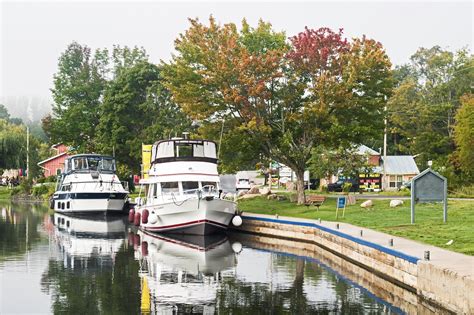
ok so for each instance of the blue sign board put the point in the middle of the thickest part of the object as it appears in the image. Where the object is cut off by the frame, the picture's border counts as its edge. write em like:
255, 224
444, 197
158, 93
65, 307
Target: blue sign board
341, 202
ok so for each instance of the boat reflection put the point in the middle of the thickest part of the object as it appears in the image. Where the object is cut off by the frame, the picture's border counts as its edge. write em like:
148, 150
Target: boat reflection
85, 237
91, 270
182, 273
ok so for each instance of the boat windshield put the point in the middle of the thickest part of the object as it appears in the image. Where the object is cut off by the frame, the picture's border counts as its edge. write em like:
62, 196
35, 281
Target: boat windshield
92, 163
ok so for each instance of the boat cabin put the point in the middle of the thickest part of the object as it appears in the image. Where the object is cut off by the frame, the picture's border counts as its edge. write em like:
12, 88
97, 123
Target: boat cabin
184, 150
85, 163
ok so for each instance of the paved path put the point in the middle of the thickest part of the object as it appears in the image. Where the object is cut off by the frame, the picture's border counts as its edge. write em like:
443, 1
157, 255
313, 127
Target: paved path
456, 262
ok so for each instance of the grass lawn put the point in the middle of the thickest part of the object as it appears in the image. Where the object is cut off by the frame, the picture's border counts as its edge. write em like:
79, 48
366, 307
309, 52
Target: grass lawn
429, 227
4, 192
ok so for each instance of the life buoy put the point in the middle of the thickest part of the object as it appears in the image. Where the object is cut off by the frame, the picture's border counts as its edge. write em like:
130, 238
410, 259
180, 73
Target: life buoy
136, 241
144, 248
145, 214
131, 215
137, 219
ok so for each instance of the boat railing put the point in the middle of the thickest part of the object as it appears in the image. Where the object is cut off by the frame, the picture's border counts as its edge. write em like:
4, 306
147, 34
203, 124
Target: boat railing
83, 185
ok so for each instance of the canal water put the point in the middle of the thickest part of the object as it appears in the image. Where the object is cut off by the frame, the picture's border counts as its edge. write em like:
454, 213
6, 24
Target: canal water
52, 263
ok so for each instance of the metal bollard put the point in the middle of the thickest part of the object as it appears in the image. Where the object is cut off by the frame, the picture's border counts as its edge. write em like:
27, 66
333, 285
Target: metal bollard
337, 226
427, 255
361, 233
390, 242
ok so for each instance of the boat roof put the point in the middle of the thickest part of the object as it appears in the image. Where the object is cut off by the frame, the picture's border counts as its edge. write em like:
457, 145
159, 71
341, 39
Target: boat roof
91, 155
182, 140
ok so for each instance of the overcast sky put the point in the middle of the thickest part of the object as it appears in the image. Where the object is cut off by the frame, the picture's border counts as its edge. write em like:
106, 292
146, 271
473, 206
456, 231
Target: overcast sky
33, 34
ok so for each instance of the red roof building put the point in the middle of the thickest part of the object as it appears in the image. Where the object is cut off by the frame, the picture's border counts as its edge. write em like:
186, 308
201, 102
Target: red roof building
55, 164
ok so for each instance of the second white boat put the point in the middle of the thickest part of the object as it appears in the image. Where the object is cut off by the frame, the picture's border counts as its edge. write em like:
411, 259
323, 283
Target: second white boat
182, 192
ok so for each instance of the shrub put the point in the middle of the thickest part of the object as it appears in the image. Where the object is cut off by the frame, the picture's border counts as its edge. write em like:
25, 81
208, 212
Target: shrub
346, 187
51, 179
38, 191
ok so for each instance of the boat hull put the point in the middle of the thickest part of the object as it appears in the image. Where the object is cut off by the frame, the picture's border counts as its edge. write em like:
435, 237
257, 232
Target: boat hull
89, 202
192, 216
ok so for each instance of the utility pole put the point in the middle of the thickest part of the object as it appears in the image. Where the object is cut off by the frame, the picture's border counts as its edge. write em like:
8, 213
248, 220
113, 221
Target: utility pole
27, 152
384, 181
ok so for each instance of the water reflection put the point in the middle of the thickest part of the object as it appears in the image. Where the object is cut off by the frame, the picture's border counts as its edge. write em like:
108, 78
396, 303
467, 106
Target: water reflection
93, 270
182, 272
96, 265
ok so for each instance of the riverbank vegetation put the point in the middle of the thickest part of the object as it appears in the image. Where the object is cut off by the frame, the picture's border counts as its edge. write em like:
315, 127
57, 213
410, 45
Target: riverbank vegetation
428, 228
263, 95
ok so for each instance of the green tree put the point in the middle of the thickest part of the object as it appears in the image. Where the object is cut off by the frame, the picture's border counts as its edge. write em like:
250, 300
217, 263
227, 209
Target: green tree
137, 109
464, 136
344, 161
421, 112
79, 87
289, 97
4, 114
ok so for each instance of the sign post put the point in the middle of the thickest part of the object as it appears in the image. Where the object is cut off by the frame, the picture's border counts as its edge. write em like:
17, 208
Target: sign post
341, 204
429, 186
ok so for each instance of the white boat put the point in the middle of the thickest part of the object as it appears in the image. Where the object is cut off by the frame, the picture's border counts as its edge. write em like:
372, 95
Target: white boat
182, 271
182, 191
89, 184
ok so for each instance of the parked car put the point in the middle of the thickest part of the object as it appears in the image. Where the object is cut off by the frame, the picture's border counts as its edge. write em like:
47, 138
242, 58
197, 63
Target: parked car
242, 184
338, 186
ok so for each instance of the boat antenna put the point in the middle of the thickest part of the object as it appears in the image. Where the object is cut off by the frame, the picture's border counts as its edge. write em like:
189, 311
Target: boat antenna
220, 139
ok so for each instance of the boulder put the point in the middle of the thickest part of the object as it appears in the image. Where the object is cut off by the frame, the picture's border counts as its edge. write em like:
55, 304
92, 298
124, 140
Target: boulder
253, 190
272, 197
265, 191
395, 203
241, 193
367, 204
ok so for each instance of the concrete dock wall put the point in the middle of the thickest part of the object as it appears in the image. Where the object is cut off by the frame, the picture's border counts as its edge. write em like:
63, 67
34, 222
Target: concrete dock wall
436, 284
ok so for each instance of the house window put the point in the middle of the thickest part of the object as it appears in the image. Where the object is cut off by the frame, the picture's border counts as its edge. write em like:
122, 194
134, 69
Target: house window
58, 171
395, 181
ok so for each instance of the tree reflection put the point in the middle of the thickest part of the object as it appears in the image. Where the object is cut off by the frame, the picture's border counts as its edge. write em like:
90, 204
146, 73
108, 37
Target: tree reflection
19, 227
95, 284
238, 297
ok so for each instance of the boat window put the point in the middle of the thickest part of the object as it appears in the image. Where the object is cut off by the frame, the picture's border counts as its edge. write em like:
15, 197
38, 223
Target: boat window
169, 187
165, 149
66, 188
93, 163
184, 150
80, 163
107, 165
190, 187
68, 165
198, 150
210, 149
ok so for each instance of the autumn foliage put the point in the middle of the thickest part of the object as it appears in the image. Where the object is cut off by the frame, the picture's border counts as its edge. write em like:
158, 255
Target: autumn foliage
288, 95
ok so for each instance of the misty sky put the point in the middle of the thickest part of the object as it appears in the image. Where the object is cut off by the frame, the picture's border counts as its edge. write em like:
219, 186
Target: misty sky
33, 34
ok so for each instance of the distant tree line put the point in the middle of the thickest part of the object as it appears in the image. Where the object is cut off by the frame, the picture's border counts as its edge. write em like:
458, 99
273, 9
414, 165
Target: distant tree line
268, 96
13, 145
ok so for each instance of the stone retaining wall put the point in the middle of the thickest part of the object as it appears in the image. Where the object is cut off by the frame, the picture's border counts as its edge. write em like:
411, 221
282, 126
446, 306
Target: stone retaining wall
429, 282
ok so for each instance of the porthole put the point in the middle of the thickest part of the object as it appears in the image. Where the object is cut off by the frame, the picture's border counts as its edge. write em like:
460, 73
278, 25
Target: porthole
67, 223
68, 205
